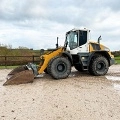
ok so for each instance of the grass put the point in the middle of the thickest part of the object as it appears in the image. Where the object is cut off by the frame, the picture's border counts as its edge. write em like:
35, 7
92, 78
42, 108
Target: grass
117, 60
8, 67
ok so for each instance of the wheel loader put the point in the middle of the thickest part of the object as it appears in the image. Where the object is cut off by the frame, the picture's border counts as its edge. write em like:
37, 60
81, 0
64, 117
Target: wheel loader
78, 51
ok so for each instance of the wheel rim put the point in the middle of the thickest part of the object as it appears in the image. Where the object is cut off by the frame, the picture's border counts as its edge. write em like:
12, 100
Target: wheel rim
61, 67
100, 66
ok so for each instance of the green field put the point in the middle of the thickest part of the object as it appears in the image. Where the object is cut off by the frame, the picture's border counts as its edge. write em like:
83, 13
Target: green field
8, 67
117, 60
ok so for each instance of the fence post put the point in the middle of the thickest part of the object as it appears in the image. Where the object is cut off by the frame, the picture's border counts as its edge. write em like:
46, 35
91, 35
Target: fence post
33, 59
5, 61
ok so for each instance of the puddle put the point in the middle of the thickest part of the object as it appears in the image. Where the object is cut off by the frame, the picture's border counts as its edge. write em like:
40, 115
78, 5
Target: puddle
113, 78
117, 86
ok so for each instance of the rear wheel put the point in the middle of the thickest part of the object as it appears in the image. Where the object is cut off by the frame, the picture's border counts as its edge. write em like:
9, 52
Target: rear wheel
59, 68
99, 66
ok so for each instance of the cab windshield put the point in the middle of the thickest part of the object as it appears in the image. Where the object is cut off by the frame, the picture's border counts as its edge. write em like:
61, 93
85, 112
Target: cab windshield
72, 39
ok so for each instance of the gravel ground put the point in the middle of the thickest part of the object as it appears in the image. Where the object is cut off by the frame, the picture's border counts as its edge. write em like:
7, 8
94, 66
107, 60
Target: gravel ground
79, 97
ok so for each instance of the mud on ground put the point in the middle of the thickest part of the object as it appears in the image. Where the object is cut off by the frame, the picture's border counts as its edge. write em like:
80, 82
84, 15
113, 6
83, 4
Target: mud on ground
79, 97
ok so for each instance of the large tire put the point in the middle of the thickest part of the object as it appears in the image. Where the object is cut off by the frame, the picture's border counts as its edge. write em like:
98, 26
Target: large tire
90, 65
99, 66
78, 67
59, 68
47, 70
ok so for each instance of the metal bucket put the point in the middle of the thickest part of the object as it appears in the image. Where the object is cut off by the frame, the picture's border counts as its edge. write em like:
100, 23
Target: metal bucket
20, 75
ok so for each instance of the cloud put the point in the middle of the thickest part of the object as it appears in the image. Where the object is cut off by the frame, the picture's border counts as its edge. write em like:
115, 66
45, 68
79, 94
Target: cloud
37, 23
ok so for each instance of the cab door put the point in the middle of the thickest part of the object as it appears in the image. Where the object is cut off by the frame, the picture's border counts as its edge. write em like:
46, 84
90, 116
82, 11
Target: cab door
82, 43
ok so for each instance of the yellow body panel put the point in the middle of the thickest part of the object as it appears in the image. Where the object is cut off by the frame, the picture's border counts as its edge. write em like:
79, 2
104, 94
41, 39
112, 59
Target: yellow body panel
102, 48
47, 57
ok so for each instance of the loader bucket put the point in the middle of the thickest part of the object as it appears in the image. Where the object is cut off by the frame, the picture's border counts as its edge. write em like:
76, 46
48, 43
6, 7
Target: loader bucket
20, 75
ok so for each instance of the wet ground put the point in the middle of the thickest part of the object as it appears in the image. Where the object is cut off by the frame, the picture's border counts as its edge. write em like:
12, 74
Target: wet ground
79, 97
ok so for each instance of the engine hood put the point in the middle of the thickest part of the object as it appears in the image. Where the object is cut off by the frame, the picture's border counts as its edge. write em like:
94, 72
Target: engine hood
96, 46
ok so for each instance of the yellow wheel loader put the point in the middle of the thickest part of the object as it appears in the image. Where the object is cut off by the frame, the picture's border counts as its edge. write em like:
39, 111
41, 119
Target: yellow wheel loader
77, 51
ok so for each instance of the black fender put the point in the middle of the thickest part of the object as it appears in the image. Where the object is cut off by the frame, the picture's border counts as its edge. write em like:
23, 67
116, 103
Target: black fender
97, 53
68, 55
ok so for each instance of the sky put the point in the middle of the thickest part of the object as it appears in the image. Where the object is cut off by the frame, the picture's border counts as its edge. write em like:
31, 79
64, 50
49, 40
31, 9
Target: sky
37, 23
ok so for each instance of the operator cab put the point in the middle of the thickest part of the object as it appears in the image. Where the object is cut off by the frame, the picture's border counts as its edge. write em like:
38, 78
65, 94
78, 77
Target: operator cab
77, 40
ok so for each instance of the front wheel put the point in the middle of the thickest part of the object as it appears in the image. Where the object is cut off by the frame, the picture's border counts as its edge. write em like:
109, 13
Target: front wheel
60, 68
99, 66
